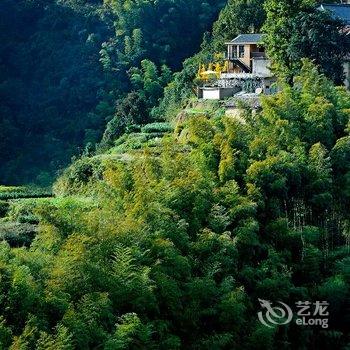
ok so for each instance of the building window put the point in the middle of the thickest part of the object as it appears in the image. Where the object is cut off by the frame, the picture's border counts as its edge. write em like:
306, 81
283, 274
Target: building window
240, 51
234, 51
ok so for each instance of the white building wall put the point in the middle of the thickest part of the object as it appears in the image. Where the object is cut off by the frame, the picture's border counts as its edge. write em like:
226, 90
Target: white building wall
211, 94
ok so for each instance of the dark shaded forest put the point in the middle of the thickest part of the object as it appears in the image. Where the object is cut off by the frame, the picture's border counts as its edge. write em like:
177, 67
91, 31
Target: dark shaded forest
64, 71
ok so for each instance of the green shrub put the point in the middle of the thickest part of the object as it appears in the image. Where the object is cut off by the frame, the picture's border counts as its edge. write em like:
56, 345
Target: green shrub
23, 192
23, 210
157, 127
133, 128
17, 234
136, 141
82, 172
4, 207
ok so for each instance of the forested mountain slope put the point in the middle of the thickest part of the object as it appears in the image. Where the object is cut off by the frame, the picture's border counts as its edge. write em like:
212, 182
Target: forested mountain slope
172, 247
50, 81
70, 67
64, 67
170, 233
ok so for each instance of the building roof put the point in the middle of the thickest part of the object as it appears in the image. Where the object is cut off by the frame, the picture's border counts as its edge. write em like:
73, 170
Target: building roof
246, 39
340, 11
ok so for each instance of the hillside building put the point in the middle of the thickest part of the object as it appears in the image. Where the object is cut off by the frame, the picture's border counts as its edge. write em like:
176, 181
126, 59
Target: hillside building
248, 67
245, 55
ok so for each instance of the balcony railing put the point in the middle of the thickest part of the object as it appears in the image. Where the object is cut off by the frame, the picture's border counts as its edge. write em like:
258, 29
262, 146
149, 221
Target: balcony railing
257, 54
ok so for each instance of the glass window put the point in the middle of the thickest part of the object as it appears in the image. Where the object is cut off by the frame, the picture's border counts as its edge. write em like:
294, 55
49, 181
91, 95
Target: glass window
234, 51
241, 51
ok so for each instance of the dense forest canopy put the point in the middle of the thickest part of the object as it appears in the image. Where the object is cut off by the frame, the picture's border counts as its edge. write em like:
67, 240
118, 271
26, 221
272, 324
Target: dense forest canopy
295, 30
176, 218
172, 248
64, 68
50, 82
67, 67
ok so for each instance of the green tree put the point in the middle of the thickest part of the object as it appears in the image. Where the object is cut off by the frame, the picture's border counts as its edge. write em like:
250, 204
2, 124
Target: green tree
297, 29
238, 16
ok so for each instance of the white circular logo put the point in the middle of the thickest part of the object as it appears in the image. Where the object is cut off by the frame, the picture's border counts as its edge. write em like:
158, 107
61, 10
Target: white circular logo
277, 315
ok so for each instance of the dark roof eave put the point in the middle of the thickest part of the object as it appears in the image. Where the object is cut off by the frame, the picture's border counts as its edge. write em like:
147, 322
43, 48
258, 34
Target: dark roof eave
339, 11
246, 39
243, 43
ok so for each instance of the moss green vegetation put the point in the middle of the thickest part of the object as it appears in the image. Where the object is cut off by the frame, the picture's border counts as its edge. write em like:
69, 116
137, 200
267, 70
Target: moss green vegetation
77, 74
168, 234
172, 249
13, 192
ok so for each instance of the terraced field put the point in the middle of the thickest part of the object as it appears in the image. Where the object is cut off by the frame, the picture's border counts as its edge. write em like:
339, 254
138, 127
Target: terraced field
12, 192
18, 222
